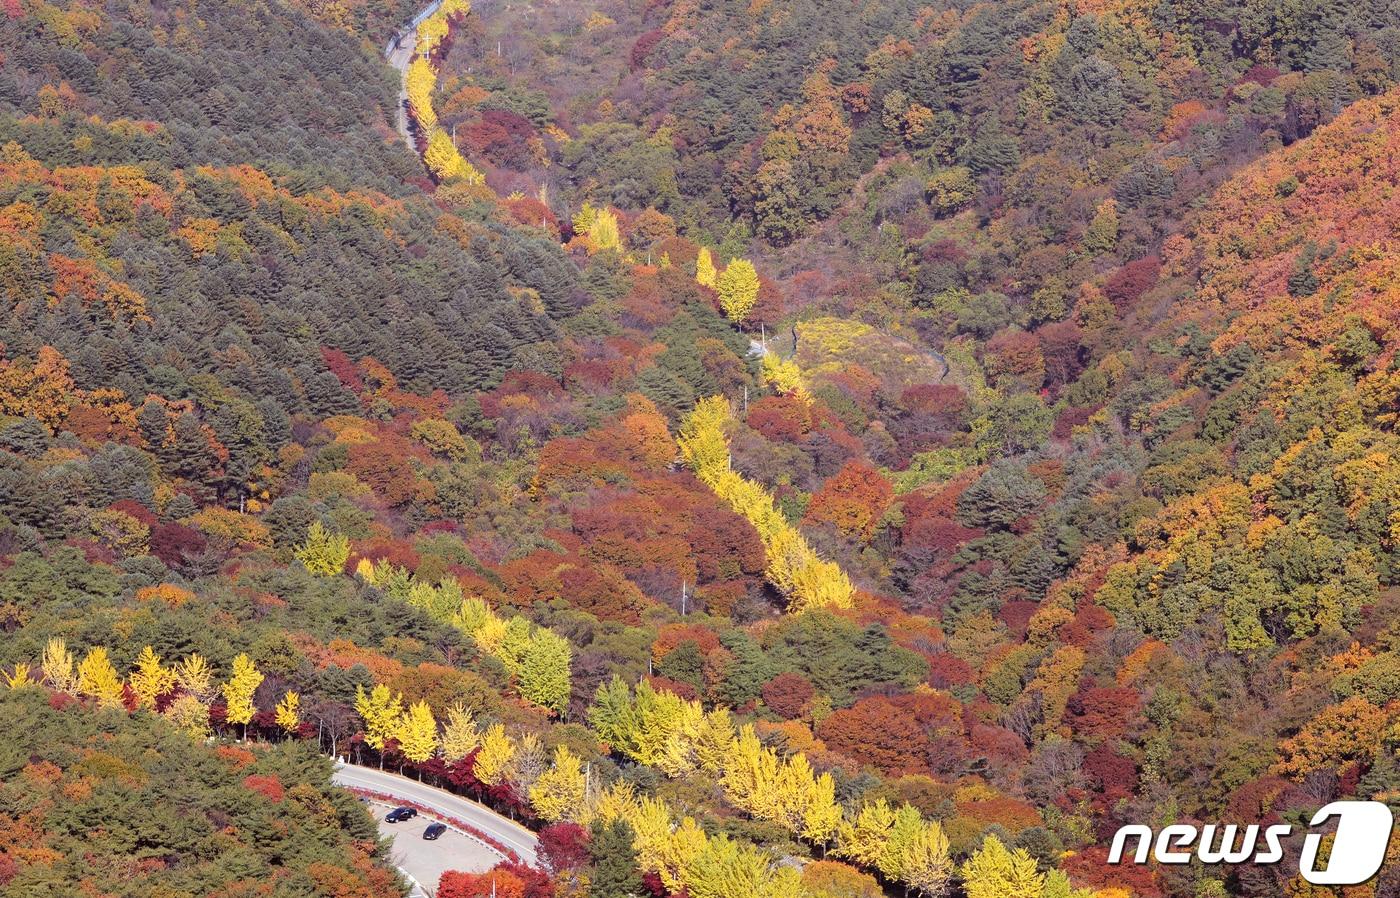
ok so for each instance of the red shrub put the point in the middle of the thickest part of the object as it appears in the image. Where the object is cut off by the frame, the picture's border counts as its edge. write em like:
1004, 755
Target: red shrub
1073, 416
946, 402
564, 846
395, 551
1015, 353
383, 466
781, 418
642, 47
1127, 285
666, 684
503, 138
853, 500
724, 545
505, 880
1101, 712
1062, 348
1090, 867
173, 543
878, 732
1114, 775
943, 251
135, 510
339, 364
787, 694
266, 785
1017, 616
893, 735
946, 671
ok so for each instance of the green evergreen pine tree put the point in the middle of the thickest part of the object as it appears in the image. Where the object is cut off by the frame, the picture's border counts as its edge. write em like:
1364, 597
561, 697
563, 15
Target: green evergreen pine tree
615, 873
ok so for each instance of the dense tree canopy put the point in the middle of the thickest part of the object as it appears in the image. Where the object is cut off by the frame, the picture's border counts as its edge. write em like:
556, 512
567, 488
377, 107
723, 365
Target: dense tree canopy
912, 441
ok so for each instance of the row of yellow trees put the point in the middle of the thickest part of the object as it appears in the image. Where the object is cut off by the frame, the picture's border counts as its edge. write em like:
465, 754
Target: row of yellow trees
537, 659
659, 729
555, 787
794, 568
677, 736
191, 682
440, 154
557, 790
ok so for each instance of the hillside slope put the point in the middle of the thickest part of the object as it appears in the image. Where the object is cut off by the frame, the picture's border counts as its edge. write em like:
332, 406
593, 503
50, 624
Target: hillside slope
1065, 495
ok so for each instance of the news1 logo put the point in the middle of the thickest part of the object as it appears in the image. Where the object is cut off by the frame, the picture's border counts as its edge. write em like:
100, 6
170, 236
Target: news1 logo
1363, 832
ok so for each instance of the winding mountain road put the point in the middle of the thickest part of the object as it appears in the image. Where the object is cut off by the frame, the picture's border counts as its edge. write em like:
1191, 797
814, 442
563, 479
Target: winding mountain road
399, 53
503, 830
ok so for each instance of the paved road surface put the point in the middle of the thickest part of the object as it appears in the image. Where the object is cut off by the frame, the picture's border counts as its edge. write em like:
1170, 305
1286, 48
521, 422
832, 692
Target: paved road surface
399, 58
507, 832
426, 861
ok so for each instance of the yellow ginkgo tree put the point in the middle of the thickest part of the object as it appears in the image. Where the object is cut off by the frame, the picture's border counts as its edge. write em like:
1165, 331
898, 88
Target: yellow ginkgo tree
97, 679
195, 677
324, 553
460, 736
57, 666
238, 692
558, 793
995, 871
380, 709
494, 759
417, 733
600, 227
19, 676
738, 289
705, 272
288, 712
151, 679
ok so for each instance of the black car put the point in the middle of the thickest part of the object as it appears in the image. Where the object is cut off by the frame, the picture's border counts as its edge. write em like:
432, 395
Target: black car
434, 830
399, 815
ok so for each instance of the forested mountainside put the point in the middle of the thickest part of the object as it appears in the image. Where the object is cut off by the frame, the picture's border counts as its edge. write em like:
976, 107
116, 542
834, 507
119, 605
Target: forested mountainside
771, 449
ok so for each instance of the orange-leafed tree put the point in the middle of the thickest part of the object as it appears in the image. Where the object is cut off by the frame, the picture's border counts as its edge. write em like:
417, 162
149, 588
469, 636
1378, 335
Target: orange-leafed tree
40, 389
505, 880
853, 500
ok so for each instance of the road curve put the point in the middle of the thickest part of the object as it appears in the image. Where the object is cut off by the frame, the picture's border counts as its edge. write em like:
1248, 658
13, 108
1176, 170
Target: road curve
506, 831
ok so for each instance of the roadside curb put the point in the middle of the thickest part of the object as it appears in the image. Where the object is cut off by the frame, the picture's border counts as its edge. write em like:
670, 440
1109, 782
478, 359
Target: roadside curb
452, 823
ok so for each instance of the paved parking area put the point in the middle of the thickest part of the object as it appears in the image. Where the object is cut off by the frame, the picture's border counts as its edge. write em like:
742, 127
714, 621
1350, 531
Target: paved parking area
426, 861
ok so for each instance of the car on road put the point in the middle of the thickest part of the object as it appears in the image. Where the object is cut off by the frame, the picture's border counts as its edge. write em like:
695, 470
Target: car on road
399, 815
434, 830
